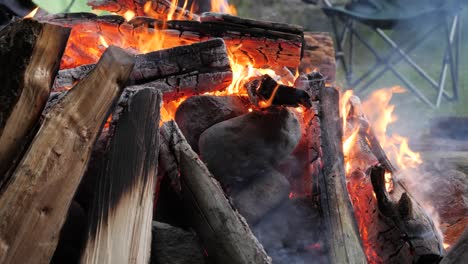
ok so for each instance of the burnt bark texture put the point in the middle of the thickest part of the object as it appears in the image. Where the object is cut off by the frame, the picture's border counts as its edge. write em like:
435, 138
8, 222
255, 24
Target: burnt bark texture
401, 229
176, 72
223, 231
345, 243
34, 203
30, 53
121, 214
319, 54
251, 42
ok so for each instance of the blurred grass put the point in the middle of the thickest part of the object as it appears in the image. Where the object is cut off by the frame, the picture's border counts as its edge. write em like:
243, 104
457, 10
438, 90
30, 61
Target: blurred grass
55, 6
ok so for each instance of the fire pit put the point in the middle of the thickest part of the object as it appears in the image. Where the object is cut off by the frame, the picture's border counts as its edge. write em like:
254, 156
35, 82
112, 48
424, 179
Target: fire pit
156, 133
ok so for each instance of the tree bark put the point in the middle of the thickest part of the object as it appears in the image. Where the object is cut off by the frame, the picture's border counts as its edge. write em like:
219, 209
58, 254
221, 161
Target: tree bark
34, 203
176, 72
223, 231
343, 234
121, 214
249, 42
30, 53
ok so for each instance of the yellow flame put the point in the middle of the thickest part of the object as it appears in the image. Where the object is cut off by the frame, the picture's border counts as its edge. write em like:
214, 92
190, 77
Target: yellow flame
128, 15
32, 13
222, 6
103, 41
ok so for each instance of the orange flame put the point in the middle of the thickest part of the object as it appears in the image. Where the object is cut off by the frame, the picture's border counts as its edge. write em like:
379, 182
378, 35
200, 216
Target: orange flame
222, 6
32, 13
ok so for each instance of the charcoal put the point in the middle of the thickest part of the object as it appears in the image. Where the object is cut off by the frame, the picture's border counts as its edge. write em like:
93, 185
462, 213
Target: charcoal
239, 149
262, 195
174, 245
198, 113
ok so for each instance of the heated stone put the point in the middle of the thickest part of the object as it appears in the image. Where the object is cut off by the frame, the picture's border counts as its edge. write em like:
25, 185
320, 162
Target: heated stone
240, 149
198, 113
174, 245
262, 195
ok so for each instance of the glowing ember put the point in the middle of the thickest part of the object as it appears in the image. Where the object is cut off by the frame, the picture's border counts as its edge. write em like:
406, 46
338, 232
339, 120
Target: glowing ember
103, 41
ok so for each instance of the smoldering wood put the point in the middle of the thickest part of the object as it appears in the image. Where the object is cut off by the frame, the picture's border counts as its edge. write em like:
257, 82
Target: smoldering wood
223, 231
176, 72
122, 211
249, 42
402, 221
25, 47
344, 240
266, 89
34, 203
319, 55
158, 9
458, 253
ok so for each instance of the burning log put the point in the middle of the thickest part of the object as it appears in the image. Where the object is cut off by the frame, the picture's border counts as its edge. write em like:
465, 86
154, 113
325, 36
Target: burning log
403, 231
264, 91
458, 253
176, 72
34, 203
121, 214
319, 55
345, 243
159, 9
249, 42
30, 53
223, 231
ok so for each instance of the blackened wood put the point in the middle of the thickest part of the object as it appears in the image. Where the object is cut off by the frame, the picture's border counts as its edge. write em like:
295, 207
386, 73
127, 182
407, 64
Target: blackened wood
176, 72
343, 234
122, 210
159, 9
249, 42
269, 92
30, 53
458, 253
402, 221
223, 231
34, 203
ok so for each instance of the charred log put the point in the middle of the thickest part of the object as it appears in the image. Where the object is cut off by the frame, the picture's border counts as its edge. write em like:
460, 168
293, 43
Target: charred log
34, 203
249, 42
25, 47
402, 229
264, 91
176, 72
121, 214
223, 231
319, 55
345, 243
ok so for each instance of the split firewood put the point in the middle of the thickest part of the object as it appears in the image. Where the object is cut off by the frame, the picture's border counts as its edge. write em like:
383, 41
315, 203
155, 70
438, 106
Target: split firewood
34, 203
159, 9
30, 53
264, 92
345, 242
119, 227
400, 231
458, 253
176, 72
249, 42
223, 231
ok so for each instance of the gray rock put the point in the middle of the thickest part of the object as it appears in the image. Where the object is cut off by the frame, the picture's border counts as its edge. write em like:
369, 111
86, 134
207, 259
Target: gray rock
262, 195
242, 148
173, 245
198, 113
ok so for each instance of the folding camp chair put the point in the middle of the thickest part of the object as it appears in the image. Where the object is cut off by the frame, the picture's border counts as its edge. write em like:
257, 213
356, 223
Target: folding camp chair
380, 15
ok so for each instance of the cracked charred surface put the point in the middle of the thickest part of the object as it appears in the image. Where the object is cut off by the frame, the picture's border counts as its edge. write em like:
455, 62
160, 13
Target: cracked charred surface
176, 72
34, 203
249, 42
401, 229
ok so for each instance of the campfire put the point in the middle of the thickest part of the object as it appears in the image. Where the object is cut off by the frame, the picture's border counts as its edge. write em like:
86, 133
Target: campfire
157, 133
